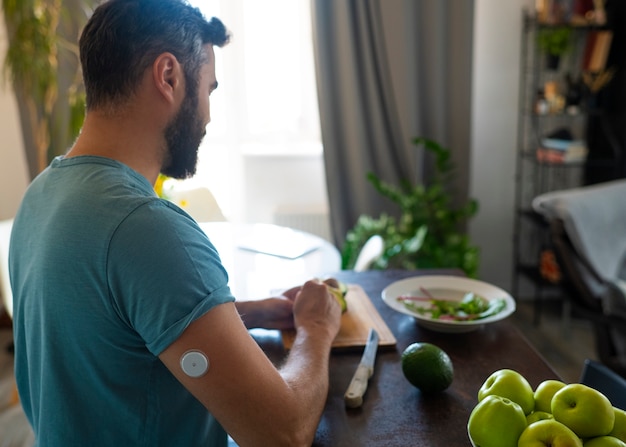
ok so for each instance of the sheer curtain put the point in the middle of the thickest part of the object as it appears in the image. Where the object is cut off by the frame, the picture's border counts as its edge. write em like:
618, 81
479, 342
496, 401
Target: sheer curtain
388, 71
266, 103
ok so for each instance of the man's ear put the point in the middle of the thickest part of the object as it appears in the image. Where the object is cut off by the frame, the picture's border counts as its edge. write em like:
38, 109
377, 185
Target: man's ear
168, 76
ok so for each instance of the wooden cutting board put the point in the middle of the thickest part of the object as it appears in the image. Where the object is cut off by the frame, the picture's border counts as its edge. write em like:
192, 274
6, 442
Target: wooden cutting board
355, 323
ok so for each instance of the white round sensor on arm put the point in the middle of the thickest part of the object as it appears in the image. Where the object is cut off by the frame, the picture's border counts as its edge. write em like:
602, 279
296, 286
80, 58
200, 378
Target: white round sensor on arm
194, 363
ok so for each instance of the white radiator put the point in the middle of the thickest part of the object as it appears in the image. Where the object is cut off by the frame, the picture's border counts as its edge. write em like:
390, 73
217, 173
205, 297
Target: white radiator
314, 220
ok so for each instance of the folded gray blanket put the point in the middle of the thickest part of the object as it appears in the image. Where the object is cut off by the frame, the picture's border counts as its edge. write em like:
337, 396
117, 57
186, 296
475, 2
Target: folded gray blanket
595, 220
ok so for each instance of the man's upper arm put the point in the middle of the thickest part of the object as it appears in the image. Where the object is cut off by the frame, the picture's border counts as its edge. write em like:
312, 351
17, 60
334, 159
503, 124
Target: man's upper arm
240, 379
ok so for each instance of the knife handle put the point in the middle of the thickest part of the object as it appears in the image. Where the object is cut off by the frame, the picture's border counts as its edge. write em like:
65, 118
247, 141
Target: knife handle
358, 386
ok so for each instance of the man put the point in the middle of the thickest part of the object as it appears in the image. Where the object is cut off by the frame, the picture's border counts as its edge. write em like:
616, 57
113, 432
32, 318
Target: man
126, 333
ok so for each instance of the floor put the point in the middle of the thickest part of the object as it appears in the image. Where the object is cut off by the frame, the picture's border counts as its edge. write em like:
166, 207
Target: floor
14, 428
563, 341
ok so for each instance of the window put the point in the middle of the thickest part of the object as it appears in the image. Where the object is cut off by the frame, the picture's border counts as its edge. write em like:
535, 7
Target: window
266, 102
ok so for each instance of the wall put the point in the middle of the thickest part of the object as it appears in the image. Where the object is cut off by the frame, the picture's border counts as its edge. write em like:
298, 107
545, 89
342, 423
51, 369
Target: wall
278, 185
497, 38
13, 171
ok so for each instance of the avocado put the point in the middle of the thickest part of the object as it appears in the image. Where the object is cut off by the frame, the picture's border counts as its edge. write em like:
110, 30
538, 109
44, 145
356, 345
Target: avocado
339, 290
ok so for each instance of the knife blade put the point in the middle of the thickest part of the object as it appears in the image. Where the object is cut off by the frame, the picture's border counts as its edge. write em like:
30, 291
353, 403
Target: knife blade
358, 384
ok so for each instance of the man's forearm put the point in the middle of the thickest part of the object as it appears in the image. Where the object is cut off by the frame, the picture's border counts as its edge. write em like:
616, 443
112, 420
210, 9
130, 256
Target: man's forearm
248, 313
306, 371
269, 313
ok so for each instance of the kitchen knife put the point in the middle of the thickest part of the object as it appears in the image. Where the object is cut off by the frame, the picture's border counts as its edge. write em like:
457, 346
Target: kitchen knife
358, 384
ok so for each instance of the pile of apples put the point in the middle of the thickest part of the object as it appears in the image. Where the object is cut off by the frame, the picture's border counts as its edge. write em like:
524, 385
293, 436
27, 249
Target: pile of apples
510, 413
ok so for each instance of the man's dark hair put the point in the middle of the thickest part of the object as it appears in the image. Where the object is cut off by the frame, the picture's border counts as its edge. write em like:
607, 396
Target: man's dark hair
124, 37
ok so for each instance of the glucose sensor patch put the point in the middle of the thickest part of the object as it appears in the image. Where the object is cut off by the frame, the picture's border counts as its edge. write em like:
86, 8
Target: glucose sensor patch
194, 363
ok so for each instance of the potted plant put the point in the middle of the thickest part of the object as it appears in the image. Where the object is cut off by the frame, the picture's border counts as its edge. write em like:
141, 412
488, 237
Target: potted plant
427, 233
554, 42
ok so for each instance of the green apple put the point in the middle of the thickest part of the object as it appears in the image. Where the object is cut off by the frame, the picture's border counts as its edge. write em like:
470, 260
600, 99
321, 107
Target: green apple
510, 384
585, 410
544, 392
604, 441
496, 422
536, 416
619, 427
548, 433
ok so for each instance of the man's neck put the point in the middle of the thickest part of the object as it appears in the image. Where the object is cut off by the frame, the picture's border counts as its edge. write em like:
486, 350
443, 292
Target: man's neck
123, 139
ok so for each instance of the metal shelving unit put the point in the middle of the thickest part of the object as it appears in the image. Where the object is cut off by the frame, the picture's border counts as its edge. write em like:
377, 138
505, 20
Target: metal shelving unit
534, 176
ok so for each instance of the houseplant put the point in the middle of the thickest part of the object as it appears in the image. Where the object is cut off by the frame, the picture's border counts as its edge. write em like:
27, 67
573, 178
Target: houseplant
42, 66
427, 233
554, 42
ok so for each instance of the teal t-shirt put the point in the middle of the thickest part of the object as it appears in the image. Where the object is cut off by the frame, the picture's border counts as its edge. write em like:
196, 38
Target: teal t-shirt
105, 276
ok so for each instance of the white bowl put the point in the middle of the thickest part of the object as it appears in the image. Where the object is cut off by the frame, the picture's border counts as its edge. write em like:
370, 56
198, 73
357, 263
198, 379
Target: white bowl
448, 287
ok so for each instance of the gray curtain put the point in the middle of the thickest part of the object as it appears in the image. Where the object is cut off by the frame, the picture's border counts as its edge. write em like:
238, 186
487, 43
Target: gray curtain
389, 71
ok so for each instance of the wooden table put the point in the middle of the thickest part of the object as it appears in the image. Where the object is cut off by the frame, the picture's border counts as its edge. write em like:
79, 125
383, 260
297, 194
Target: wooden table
394, 413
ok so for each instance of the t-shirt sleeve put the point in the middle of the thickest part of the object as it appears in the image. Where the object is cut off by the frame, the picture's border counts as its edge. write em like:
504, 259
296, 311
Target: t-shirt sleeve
163, 273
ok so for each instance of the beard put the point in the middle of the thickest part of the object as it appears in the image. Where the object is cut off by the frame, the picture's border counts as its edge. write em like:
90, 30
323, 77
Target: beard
183, 136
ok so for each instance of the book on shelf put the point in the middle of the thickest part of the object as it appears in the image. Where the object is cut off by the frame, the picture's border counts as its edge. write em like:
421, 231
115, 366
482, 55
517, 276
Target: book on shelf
597, 50
564, 145
572, 154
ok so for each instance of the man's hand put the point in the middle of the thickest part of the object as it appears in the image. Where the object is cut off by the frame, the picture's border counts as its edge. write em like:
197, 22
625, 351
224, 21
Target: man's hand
275, 312
315, 309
